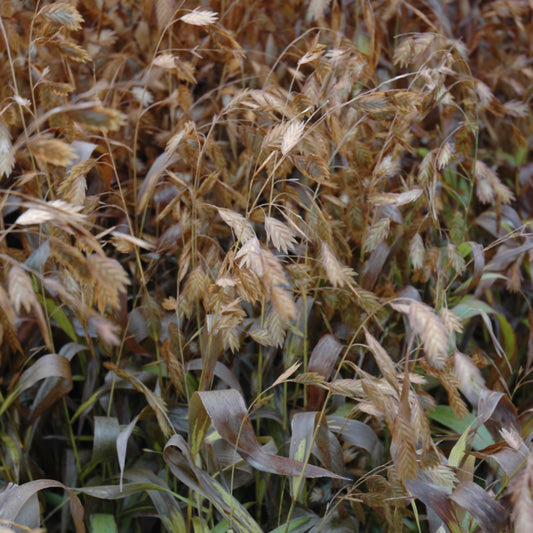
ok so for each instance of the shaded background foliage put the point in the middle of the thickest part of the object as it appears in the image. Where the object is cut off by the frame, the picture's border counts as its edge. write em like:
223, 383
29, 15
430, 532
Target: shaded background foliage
266, 266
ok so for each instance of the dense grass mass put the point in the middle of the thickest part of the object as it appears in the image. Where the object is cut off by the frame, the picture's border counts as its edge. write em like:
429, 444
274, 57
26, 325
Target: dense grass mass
266, 266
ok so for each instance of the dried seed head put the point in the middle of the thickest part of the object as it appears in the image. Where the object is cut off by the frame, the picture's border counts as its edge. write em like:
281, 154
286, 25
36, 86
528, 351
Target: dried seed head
241, 227
99, 118
279, 234
166, 61
334, 269
388, 167
444, 155
316, 9
471, 382
417, 251
52, 151
250, 256
200, 17
398, 199
489, 187
73, 51
62, 14
20, 289
435, 337
142, 95
47, 211
430, 328
377, 233
451, 320
515, 108
7, 158
283, 303
484, 94
292, 136
512, 438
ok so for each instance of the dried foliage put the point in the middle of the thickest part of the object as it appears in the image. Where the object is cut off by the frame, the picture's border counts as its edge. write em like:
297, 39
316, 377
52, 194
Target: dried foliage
266, 266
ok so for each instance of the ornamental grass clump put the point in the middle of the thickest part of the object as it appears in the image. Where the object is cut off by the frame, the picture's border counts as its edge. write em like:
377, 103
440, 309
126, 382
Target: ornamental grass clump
266, 266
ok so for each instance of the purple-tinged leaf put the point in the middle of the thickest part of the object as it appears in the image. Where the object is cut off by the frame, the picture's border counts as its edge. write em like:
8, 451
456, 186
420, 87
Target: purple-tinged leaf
14, 498
437, 500
489, 514
228, 414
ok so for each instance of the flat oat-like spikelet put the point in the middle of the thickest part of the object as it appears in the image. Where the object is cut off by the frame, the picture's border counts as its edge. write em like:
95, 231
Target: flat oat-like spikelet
397, 199
110, 279
58, 211
7, 157
383, 360
387, 168
62, 14
338, 275
73, 51
248, 285
417, 251
376, 234
292, 136
521, 489
249, 256
274, 136
276, 328
283, 303
273, 269
200, 17
403, 449
22, 296
279, 234
241, 227
52, 151
99, 118
21, 291
316, 9
489, 188
73, 187
431, 330
166, 61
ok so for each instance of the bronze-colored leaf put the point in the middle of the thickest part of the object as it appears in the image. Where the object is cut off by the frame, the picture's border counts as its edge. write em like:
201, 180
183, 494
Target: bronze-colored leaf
227, 412
489, 514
